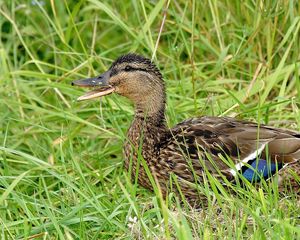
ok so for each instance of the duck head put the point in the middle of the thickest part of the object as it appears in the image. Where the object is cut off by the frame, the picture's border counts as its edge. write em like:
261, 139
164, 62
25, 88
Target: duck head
132, 76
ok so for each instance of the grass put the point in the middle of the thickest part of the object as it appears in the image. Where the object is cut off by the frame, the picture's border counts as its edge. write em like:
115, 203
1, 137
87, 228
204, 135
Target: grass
61, 165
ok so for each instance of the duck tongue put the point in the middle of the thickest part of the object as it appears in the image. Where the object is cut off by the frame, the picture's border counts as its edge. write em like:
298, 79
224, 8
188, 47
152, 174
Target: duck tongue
96, 93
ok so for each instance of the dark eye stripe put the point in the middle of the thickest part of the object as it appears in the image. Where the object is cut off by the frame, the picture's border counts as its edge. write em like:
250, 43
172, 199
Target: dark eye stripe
130, 69
113, 72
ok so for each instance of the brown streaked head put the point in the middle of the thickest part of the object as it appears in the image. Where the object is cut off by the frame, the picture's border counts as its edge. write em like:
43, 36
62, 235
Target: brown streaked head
132, 76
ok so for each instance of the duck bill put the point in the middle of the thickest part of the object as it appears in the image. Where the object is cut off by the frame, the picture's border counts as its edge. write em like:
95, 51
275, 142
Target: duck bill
99, 84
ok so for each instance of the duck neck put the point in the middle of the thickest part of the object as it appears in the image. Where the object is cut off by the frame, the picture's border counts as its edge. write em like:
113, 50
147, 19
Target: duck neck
144, 136
150, 107
149, 121
150, 116
147, 128
146, 132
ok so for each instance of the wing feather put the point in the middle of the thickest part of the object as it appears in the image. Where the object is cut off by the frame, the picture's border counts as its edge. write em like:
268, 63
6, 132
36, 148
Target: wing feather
189, 142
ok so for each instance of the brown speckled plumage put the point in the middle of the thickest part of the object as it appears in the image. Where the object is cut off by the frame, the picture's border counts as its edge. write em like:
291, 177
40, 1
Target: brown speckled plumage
223, 146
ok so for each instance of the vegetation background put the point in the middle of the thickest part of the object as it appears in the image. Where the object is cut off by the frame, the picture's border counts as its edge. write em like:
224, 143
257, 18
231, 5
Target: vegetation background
61, 174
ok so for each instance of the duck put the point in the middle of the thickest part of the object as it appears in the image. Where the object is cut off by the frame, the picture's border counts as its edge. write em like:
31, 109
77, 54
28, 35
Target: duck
228, 149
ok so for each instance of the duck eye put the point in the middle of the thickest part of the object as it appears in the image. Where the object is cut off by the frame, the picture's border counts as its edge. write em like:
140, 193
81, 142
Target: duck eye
128, 68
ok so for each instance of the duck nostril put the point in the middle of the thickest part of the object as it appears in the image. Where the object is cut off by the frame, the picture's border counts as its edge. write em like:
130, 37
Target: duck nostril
72, 83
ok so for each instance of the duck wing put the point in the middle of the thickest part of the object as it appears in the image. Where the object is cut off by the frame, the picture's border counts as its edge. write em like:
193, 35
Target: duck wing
228, 146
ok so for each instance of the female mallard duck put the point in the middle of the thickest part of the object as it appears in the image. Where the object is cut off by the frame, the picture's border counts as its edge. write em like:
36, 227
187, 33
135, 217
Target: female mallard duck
225, 147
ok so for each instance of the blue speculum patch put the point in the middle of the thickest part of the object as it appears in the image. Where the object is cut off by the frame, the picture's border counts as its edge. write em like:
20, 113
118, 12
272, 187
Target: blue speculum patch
259, 169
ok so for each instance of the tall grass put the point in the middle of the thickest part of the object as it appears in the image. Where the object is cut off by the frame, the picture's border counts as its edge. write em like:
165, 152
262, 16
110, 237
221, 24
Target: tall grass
61, 161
